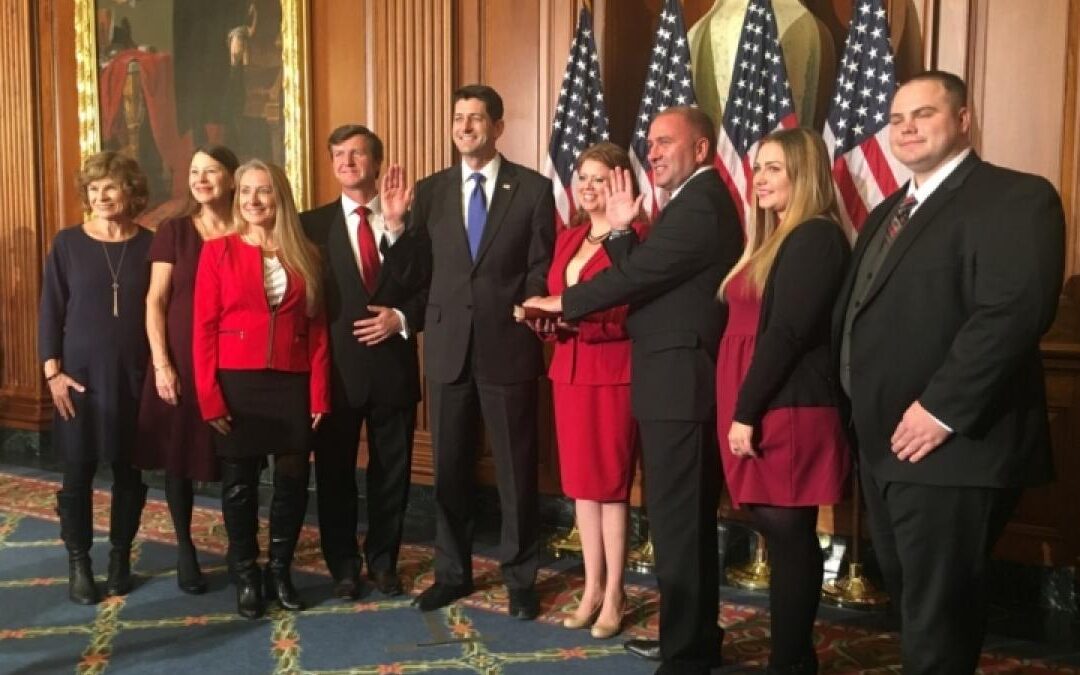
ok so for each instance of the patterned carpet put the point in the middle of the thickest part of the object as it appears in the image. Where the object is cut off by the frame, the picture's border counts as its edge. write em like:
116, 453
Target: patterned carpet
158, 629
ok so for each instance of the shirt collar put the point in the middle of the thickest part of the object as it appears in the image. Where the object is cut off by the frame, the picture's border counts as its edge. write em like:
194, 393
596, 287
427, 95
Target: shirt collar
489, 171
923, 192
348, 205
700, 170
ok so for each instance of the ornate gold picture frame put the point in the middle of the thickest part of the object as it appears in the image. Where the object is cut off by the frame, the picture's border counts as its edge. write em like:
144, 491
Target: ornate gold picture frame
158, 78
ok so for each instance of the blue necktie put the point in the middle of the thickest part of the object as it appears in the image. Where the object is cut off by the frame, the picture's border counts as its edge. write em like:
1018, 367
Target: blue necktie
477, 216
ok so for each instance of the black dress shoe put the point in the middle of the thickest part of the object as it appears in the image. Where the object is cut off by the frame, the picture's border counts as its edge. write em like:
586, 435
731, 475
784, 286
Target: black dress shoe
646, 649
349, 587
524, 603
386, 582
440, 595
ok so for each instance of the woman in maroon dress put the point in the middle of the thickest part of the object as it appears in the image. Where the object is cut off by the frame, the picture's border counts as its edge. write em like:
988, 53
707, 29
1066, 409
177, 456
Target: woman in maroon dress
172, 433
782, 443
590, 375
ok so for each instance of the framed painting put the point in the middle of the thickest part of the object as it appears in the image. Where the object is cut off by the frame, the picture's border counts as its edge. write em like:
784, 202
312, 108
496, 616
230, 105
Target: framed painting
159, 78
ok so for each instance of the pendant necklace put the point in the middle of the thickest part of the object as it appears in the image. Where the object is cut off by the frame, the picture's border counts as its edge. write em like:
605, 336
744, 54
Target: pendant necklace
115, 273
597, 239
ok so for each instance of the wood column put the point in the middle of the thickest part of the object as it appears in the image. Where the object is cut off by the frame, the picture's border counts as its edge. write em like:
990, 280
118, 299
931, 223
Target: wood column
22, 239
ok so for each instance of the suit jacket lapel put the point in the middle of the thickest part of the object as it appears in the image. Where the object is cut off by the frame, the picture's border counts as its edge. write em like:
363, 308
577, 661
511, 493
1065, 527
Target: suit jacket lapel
451, 206
340, 252
505, 185
919, 222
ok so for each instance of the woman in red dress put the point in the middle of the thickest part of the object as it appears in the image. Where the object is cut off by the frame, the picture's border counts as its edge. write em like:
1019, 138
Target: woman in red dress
590, 375
782, 443
172, 434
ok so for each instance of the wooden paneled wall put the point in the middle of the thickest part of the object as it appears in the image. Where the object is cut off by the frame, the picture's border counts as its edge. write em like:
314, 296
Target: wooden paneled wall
20, 218
391, 64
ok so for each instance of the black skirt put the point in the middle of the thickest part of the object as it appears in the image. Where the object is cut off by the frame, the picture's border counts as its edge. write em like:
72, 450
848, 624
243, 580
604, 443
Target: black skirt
271, 413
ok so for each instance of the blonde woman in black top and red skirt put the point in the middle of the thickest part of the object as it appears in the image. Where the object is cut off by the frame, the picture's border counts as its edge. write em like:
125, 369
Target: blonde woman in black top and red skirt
782, 444
261, 373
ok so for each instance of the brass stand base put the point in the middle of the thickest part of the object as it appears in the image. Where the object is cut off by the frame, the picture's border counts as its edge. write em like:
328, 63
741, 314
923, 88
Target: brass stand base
568, 545
641, 559
753, 576
853, 591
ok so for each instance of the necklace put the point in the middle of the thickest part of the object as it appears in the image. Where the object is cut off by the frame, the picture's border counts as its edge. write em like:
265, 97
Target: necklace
115, 273
597, 239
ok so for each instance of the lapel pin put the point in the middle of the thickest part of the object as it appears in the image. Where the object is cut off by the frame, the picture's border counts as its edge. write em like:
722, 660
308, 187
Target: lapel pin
506, 186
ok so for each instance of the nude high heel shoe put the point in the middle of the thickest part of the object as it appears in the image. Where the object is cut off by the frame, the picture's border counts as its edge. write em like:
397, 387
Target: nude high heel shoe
574, 623
604, 631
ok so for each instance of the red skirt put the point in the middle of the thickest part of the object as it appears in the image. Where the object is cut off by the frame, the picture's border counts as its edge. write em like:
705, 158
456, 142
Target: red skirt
597, 439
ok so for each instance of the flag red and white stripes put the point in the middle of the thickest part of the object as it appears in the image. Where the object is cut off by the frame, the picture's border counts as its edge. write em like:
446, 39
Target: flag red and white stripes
668, 82
580, 116
759, 102
857, 129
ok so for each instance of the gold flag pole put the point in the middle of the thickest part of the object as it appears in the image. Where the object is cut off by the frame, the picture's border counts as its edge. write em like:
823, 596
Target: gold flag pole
854, 590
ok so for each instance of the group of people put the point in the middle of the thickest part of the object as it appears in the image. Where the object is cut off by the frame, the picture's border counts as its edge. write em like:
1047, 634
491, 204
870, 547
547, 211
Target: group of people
770, 359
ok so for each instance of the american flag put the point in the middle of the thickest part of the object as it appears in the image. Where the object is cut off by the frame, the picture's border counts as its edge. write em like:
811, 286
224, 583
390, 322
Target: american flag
580, 116
668, 82
759, 101
856, 132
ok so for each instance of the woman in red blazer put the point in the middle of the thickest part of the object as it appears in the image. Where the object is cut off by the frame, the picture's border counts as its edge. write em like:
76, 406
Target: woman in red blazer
262, 365
590, 375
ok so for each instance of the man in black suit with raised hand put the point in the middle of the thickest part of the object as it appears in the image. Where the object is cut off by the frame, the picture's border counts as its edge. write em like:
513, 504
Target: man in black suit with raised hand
376, 283
491, 228
670, 282
953, 280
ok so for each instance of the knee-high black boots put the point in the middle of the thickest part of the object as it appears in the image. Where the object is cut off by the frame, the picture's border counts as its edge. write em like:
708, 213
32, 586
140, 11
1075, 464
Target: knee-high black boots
76, 530
124, 516
287, 510
240, 507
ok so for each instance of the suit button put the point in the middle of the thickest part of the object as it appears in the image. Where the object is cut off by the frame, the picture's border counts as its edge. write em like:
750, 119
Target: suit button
858, 303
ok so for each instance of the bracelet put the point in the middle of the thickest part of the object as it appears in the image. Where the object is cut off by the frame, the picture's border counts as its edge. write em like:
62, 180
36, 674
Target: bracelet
52, 377
162, 367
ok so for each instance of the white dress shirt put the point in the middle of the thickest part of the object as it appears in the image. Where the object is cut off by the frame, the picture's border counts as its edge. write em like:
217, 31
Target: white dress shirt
922, 192
490, 172
378, 228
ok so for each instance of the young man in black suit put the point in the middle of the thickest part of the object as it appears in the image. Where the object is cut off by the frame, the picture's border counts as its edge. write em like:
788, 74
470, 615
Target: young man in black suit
670, 282
491, 228
376, 283
952, 282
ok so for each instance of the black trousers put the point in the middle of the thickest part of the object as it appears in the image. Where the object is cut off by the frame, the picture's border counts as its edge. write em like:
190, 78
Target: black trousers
682, 489
390, 438
933, 544
509, 414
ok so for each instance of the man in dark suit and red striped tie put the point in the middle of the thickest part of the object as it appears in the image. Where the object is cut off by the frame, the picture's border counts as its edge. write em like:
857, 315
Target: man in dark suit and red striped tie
376, 287
952, 282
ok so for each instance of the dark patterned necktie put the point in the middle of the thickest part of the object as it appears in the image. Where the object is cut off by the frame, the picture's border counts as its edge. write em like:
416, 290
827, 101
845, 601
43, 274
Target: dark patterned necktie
900, 219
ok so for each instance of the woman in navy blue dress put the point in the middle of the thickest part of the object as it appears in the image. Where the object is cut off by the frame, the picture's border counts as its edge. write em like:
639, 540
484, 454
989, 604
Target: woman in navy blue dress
92, 342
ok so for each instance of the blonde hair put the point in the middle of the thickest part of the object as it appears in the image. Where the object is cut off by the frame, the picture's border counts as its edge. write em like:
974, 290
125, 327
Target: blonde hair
297, 254
812, 195
123, 170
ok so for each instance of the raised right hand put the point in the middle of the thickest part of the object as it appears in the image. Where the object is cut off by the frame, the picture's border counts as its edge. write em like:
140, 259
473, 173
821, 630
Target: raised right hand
622, 208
